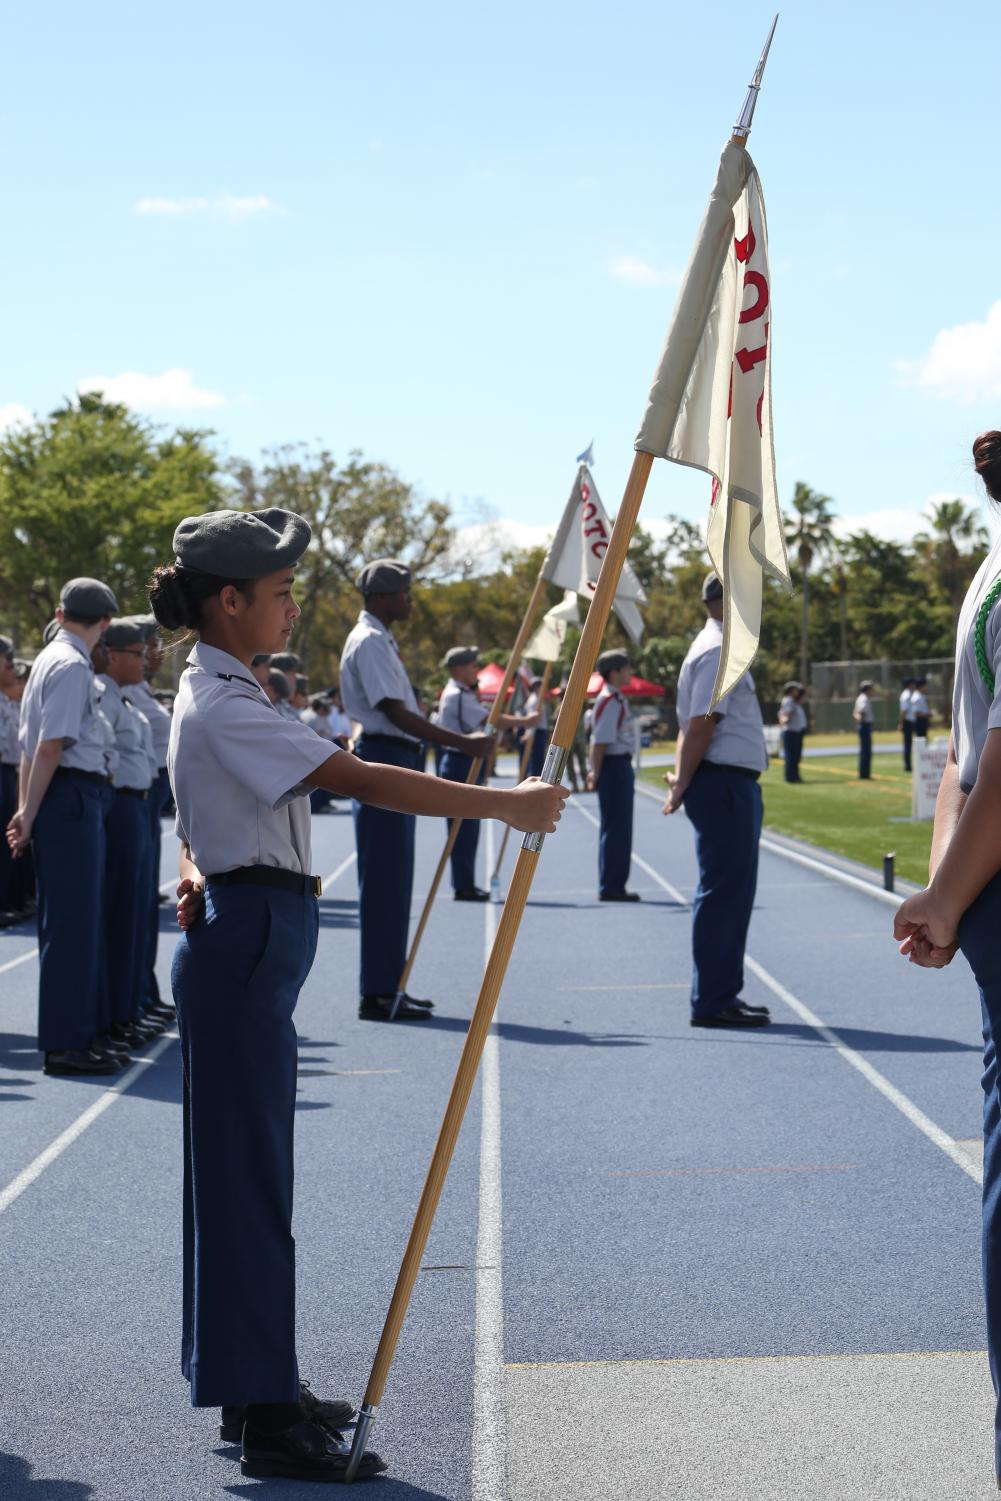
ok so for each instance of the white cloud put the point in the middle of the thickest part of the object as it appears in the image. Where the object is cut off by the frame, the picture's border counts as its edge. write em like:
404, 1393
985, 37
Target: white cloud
963, 363
225, 206
173, 391
899, 524
639, 273
13, 415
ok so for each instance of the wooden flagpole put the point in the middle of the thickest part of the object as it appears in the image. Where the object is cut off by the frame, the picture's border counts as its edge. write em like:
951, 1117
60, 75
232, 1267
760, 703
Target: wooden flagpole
571, 707
496, 710
526, 753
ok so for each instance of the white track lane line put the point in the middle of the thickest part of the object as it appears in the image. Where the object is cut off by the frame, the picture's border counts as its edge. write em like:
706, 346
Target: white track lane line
489, 1447
344, 865
654, 875
103, 1102
879, 1081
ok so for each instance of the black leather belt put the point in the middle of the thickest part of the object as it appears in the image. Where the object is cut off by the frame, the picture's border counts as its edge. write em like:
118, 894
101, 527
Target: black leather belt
738, 771
269, 875
142, 792
100, 777
391, 740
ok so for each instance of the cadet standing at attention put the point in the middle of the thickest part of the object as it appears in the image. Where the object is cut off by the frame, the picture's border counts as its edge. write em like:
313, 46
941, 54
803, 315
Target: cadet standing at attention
145, 699
460, 710
907, 719
10, 755
720, 757
611, 776
247, 905
60, 812
377, 694
862, 715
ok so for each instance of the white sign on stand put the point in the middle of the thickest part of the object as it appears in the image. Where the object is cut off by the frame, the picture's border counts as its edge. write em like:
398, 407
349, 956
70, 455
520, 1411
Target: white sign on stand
929, 768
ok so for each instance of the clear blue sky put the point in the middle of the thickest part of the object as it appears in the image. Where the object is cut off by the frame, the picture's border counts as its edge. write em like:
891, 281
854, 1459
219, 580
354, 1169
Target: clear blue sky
446, 234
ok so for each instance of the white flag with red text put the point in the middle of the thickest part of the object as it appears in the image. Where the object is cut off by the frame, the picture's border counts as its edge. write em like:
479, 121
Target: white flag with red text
710, 405
576, 552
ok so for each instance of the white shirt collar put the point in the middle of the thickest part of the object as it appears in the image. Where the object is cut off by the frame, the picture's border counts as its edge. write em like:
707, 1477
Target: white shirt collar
211, 659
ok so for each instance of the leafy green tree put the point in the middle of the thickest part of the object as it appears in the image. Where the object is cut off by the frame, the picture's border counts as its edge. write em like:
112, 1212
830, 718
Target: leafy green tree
953, 549
95, 490
809, 533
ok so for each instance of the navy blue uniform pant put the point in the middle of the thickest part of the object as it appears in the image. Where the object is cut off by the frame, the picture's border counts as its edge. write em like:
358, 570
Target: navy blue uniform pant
455, 768
537, 759
68, 841
725, 810
126, 918
8, 865
236, 978
865, 751
159, 797
792, 750
615, 842
908, 730
978, 939
385, 844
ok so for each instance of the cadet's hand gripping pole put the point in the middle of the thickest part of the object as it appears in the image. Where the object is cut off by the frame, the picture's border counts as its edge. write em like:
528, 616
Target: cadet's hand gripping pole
496, 710
526, 754
507, 931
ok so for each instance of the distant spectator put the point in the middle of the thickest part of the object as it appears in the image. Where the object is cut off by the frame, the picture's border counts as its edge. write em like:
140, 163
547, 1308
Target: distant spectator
792, 720
922, 713
862, 715
907, 719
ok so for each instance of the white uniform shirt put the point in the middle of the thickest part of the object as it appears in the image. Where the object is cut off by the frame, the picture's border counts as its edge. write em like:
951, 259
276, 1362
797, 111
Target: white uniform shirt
135, 768
318, 722
146, 701
907, 705
60, 703
236, 769
612, 723
739, 737
863, 708
286, 711
10, 719
974, 710
340, 723
919, 705
459, 709
371, 670
796, 720
532, 706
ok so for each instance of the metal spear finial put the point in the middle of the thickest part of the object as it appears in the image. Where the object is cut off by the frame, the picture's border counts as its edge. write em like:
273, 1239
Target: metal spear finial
742, 129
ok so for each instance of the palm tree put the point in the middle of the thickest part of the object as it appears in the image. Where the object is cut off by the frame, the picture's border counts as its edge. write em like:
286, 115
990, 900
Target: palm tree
839, 588
810, 534
953, 524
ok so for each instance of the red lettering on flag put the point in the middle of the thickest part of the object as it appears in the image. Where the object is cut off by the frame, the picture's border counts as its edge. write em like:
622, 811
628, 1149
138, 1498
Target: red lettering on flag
748, 358
757, 281
746, 247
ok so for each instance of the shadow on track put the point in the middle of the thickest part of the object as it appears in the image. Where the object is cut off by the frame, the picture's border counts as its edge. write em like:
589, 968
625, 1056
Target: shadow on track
16, 1484
859, 1038
561, 1037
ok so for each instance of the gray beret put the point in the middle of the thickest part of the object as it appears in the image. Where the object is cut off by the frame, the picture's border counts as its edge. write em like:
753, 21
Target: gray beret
124, 632
286, 660
88, 597
611, 661
49, 632
149, 625
711, 588
384, 576
241, 544
461, 656
6, 646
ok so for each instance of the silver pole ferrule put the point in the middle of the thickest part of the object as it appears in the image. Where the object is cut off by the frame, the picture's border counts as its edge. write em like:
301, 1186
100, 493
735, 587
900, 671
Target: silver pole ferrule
743, 125
366, 1418
553, 768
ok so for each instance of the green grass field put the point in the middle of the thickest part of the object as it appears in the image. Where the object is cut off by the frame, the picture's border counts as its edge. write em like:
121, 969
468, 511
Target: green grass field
831, 808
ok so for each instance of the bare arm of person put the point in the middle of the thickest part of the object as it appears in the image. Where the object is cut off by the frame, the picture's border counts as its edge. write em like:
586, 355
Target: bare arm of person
534, 807
597, 762
34, 785
410, 723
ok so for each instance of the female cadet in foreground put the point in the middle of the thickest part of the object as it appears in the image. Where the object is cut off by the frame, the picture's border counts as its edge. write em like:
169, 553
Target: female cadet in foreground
241, 776
961, 907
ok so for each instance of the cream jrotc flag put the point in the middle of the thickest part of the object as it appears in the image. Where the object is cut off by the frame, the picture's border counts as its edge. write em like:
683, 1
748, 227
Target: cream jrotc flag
575, 556
710, 406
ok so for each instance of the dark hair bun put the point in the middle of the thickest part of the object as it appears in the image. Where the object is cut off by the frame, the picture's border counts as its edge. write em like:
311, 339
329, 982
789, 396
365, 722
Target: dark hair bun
987, 460
170, 601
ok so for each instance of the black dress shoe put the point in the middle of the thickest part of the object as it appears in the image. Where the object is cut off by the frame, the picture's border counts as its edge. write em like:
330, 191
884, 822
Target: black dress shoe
737, 1015
472, 894
112, 1048
618, 896
413, 1000
755, 1010
330, 1416
79, 1061
305, 1451
379, 1008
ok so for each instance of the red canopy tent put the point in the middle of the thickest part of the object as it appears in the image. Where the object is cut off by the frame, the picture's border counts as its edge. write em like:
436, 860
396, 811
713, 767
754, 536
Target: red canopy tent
635, 688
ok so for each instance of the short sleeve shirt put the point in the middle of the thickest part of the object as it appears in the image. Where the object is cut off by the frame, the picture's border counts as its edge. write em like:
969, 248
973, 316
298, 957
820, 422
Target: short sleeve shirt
236, 769
146, 701
796, 714
10, 718
863, 708
371, 670
919, 705
318, 722
975, 710
612, 724
533, 705
134, 767
107, 730
459, 709
907, 705
60, 703
739, 737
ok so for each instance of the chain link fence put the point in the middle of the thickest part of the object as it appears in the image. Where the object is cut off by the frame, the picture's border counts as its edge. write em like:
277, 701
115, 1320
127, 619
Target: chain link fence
834, 687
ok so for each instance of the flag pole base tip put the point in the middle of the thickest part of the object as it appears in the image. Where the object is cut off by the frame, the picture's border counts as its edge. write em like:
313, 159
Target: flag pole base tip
363, 1425
396, 1005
